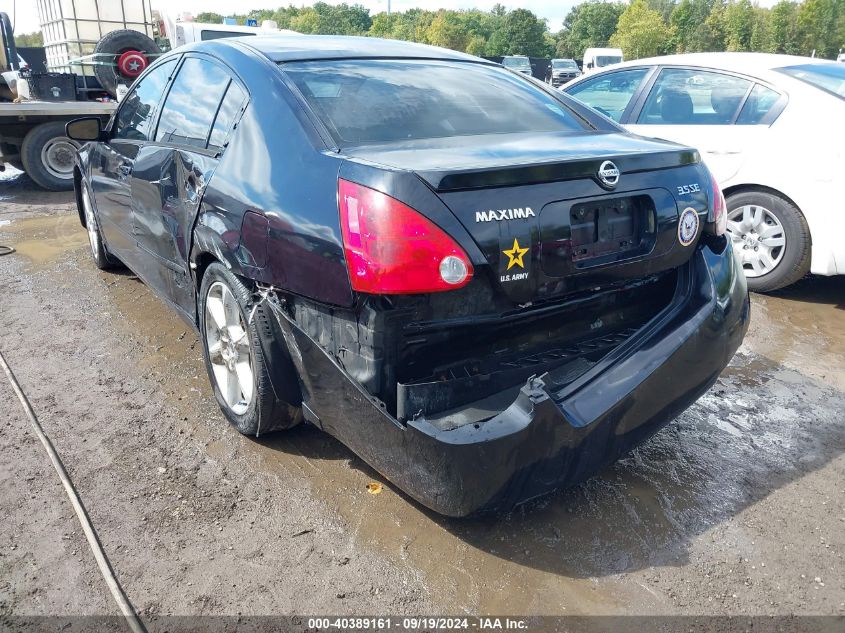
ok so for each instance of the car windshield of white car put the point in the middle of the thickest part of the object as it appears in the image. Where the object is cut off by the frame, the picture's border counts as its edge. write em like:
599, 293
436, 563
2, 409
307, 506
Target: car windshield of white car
387, 100
607, 60
516, 62
828, 77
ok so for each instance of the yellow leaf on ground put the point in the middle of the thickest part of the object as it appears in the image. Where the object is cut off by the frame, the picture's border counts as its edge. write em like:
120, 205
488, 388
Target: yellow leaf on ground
374, 488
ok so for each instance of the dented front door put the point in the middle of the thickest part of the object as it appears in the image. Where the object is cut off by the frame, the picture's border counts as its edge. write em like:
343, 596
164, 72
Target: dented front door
167, 188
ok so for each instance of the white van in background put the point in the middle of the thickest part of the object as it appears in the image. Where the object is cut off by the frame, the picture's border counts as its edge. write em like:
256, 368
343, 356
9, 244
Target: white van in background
595, 58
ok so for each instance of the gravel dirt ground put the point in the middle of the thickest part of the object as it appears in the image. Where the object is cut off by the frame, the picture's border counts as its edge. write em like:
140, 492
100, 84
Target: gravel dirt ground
737, 508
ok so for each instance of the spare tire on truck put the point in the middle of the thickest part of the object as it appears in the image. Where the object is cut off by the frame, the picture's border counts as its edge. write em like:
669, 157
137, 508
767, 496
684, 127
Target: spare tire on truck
131, 52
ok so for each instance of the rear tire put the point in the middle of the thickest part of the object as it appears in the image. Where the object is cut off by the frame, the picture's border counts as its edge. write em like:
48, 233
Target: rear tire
47, 156
234, 349
768, 220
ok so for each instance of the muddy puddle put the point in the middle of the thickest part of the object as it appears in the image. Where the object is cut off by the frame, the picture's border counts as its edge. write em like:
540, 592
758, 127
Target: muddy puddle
45, 239
574, 552
454, 557
803, 327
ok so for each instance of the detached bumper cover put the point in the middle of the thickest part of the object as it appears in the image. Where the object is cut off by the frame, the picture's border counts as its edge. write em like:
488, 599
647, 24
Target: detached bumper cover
544, 440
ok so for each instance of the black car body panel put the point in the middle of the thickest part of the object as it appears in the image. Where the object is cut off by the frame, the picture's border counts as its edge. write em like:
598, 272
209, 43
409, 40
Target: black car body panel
545, 435
586, 324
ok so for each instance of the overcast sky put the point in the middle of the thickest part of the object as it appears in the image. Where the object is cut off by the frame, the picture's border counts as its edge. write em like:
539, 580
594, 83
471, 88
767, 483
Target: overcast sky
552, 10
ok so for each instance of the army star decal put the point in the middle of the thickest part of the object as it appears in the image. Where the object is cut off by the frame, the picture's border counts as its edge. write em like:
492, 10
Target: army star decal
515, 255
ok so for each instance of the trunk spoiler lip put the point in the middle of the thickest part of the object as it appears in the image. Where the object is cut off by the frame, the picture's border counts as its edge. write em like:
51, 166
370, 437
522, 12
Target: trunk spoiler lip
653, 155
554, 170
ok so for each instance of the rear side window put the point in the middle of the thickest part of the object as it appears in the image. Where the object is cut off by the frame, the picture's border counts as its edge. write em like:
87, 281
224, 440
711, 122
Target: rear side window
610, 94
229, 109
760, 101
191, 105
694, 97
382, 101
828, 77
134, 119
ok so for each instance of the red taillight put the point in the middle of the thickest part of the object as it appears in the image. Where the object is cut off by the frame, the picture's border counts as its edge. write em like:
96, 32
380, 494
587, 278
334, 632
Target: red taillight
392, 249
719, 220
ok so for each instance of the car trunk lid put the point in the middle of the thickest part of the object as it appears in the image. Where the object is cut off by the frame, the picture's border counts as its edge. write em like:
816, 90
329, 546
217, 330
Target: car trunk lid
537, 208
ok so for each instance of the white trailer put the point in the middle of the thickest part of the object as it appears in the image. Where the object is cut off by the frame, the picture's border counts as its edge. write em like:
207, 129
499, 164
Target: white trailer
117, 39
32, 133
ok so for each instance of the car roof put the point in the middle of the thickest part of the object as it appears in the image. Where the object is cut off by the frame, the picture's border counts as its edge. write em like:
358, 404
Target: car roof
759, 64
288, 48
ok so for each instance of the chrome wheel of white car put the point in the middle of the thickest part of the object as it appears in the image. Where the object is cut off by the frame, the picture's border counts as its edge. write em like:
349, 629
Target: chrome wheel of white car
229, 349
758, 237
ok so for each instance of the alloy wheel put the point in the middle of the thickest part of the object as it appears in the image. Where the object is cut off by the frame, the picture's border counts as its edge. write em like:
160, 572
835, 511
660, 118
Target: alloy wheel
90, 224
229, 351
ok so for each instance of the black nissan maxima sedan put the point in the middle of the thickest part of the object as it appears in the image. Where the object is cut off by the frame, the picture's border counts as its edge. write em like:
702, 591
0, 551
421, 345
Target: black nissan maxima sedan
482, 287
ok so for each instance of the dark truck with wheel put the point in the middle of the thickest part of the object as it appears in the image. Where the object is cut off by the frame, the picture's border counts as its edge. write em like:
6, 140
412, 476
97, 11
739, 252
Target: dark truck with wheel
34, 107
32, 126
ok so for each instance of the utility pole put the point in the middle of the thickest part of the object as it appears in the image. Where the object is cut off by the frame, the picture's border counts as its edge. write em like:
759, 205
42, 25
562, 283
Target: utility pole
388, 7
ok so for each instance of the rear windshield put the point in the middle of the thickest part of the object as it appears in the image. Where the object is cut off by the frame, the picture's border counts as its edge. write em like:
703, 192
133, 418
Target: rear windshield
379, 101
829, 77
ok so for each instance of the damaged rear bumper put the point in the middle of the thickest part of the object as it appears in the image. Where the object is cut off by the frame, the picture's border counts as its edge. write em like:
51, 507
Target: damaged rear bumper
547, 438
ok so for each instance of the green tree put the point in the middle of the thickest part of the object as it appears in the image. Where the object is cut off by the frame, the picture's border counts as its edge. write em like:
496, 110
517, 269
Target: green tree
208, 17
783, 23
520, 33
738, 25
447, 32
35, 39
308, 21
477, 46
384, 25
818, 22
663, 7
713, 32
691, 30
641, 32
590, 24
761, 31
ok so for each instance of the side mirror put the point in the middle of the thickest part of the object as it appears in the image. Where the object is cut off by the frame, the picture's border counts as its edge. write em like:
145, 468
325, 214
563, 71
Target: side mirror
589, 64
88, 128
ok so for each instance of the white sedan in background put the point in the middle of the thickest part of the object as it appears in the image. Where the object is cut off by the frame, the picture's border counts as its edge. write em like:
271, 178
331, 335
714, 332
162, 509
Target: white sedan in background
769, 127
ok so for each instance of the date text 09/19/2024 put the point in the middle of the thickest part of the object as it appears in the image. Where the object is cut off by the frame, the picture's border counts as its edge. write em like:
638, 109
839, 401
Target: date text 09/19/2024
423, 623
